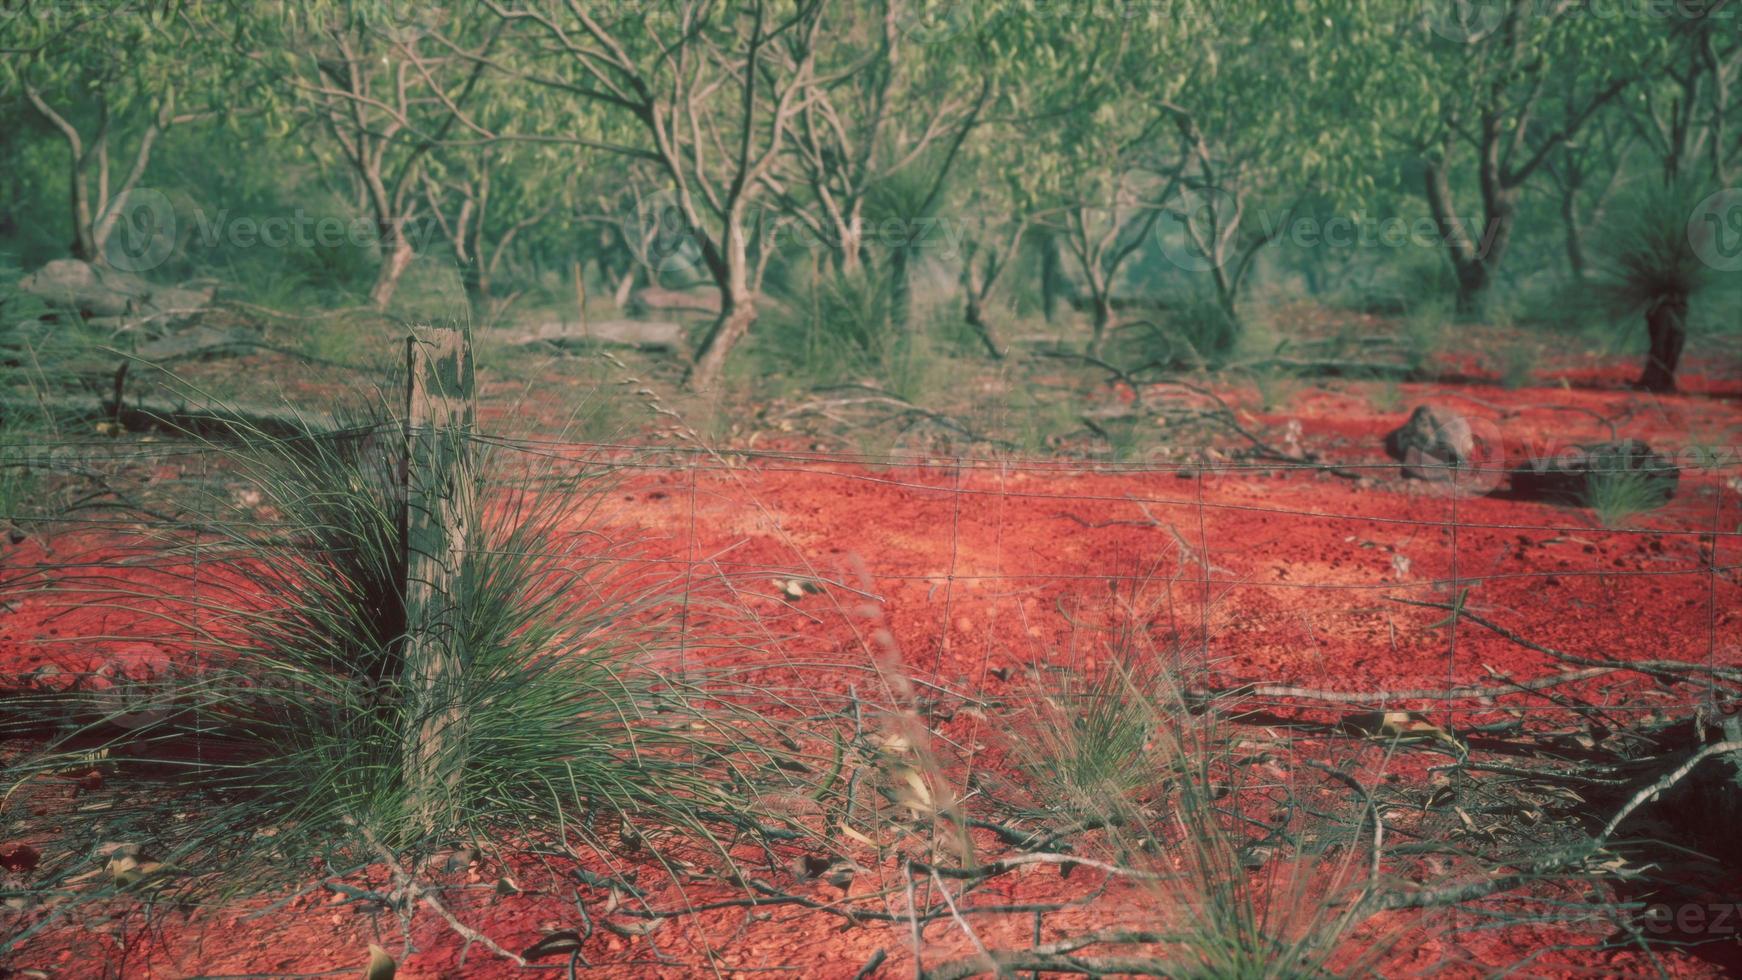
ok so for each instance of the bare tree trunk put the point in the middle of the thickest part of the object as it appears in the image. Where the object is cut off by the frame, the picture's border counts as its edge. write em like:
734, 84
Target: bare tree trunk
1102, 306
396, 256
1050, 276
974, 290
83, 245
1575, 234
901, 288
737, 313
731, 269
1473, 261
625, 286
1667, 324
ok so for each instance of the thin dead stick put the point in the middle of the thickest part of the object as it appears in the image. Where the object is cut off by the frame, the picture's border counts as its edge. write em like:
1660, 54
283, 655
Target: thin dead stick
1675, 671
415, 892
871, 965
1669, 780
967, 929
1461, 693
1372, 810
1563, 860
913, 921
1015, 861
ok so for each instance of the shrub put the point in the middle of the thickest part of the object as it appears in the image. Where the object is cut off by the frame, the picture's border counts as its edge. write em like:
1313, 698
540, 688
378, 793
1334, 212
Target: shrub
841, 329
1618, 493
1647, 263
292, 727
1167, 787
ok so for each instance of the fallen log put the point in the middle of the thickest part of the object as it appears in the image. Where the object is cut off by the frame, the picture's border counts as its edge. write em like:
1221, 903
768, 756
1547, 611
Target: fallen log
643, 334
658, 299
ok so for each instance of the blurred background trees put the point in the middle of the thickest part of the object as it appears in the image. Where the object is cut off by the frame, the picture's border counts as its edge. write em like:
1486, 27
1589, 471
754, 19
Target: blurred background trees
1095, 163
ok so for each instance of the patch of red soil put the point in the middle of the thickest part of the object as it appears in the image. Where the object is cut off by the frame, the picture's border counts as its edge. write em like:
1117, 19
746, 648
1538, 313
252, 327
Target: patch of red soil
973, 573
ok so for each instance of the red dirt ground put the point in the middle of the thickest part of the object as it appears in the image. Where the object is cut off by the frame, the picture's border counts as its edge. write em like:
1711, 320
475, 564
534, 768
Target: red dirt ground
967, 573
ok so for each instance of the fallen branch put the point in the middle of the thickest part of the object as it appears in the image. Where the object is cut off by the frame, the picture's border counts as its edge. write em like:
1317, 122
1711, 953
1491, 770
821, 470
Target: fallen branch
1674, 671
1380, 698
415, 892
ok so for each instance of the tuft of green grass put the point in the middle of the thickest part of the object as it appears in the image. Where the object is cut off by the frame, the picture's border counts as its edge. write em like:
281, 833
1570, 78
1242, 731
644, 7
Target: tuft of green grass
1644, 251
1424, 334
1090, 739
286, 746
1386, 396
1518, 366
1619, 494
842, 329
1165, 784
1193, 331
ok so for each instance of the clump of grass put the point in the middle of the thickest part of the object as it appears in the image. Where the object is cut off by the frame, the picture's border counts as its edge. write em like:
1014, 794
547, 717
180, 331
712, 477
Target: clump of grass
1192, 331
291, 732
1275, 387
1090, 738
1386, 396
1619, 494
19, 484
1162, 779
840, 329
833, 329
1517, 366
1423, 335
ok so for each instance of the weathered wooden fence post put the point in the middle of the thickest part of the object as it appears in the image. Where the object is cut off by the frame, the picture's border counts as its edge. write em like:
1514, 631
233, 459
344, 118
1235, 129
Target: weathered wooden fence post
440, 513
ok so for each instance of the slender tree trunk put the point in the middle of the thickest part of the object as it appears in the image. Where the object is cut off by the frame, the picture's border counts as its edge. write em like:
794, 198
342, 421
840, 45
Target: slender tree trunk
396, 256
974, 310
1575, 234
900, 289
84, 243
1103, 318
1667, 325
1050, 276
737, 311
1473, 261
625, 286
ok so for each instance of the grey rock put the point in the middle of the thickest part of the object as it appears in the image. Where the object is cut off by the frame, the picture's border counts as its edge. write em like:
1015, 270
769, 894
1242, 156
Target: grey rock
80, 286
101, 294
1432, 444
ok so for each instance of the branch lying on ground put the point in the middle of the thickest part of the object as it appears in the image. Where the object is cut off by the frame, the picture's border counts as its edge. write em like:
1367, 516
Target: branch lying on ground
904, 409
1377, 698
415, 892
1673, 671
1224, 415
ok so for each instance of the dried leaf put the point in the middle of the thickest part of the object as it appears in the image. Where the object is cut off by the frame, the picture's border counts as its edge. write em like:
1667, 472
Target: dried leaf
644, 927
855, 835
381, 965
798, 588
